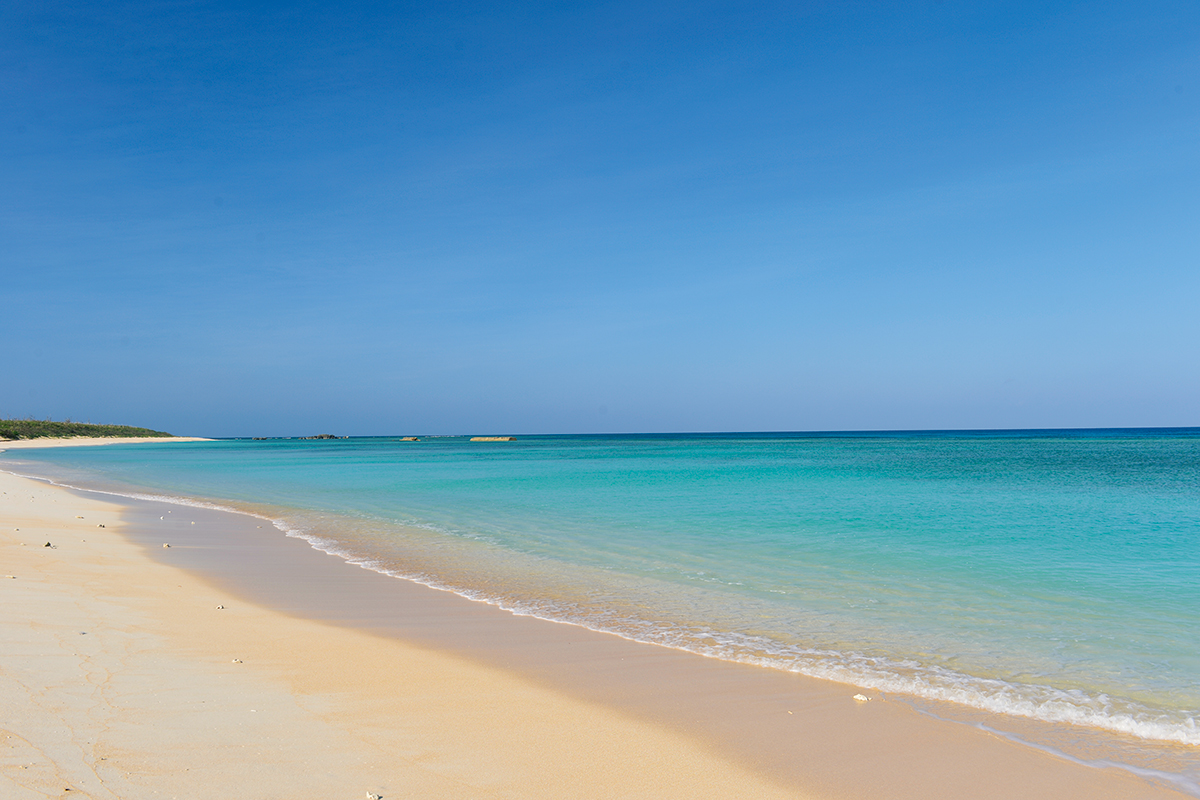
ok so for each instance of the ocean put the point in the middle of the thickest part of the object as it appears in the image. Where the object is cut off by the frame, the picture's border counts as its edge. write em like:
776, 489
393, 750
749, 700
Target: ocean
1049, 577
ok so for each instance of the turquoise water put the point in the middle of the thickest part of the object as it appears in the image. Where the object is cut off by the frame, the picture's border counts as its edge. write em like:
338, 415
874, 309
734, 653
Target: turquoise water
1046, 575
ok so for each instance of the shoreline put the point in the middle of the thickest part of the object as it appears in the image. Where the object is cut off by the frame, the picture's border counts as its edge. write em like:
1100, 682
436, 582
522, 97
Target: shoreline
758, 730
126, 678
92, 441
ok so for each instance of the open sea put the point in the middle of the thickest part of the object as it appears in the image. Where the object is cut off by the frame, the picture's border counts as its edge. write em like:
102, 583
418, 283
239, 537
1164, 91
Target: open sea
1036, 582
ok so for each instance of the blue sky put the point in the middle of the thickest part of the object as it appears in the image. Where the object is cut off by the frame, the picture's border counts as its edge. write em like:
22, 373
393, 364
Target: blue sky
245, 218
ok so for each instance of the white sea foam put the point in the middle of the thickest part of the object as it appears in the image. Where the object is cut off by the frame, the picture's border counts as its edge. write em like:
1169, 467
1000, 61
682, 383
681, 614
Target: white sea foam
905, 677
1043, 703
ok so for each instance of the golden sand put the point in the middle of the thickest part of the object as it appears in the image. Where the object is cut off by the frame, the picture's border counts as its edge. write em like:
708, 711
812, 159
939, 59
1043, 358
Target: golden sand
122, 676
125, 678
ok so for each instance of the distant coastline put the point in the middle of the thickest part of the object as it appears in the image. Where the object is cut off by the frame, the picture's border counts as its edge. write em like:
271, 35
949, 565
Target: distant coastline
16, 429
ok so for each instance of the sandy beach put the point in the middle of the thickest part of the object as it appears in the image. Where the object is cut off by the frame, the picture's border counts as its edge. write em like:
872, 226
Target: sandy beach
240, 663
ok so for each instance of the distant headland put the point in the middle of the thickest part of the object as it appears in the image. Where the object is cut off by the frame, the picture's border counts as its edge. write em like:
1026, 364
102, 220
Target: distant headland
48, 429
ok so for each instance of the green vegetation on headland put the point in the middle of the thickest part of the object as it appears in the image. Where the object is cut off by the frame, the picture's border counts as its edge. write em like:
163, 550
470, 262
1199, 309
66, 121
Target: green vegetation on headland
39, 429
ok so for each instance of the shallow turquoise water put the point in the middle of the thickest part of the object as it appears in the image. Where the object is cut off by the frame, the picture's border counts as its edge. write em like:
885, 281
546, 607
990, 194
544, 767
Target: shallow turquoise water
1049, 575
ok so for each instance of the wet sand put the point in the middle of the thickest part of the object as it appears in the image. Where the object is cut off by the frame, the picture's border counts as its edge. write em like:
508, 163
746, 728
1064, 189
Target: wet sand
348, 681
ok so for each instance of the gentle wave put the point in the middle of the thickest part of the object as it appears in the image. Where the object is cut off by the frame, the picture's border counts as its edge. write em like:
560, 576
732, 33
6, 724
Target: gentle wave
1176, 780
1042, 703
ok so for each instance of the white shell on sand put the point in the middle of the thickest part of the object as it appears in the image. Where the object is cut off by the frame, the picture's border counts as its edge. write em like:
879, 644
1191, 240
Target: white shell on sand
862, 698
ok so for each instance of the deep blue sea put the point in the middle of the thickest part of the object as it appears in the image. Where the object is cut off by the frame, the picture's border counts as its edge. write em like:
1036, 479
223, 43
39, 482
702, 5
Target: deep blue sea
1048, 575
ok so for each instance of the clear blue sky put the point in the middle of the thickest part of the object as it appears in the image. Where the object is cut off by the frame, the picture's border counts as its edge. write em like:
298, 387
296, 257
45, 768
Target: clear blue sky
240, 218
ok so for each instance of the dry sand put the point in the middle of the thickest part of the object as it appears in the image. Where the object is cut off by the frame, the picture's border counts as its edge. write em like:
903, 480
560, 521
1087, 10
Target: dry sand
92, 441
122, 676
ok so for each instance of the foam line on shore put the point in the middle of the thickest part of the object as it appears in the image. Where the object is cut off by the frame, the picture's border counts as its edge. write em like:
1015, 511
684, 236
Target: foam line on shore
280, 525
1043, 704
119, 679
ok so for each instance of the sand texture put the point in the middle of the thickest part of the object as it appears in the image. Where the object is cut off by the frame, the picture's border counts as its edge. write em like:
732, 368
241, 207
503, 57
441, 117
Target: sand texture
121, 678
241, 663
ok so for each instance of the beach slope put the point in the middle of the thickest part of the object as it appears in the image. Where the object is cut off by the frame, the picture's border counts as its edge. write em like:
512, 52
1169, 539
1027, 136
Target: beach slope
125, 678
268, 669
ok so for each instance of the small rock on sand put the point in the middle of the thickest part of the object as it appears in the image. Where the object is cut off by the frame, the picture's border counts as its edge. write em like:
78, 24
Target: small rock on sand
862, 698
